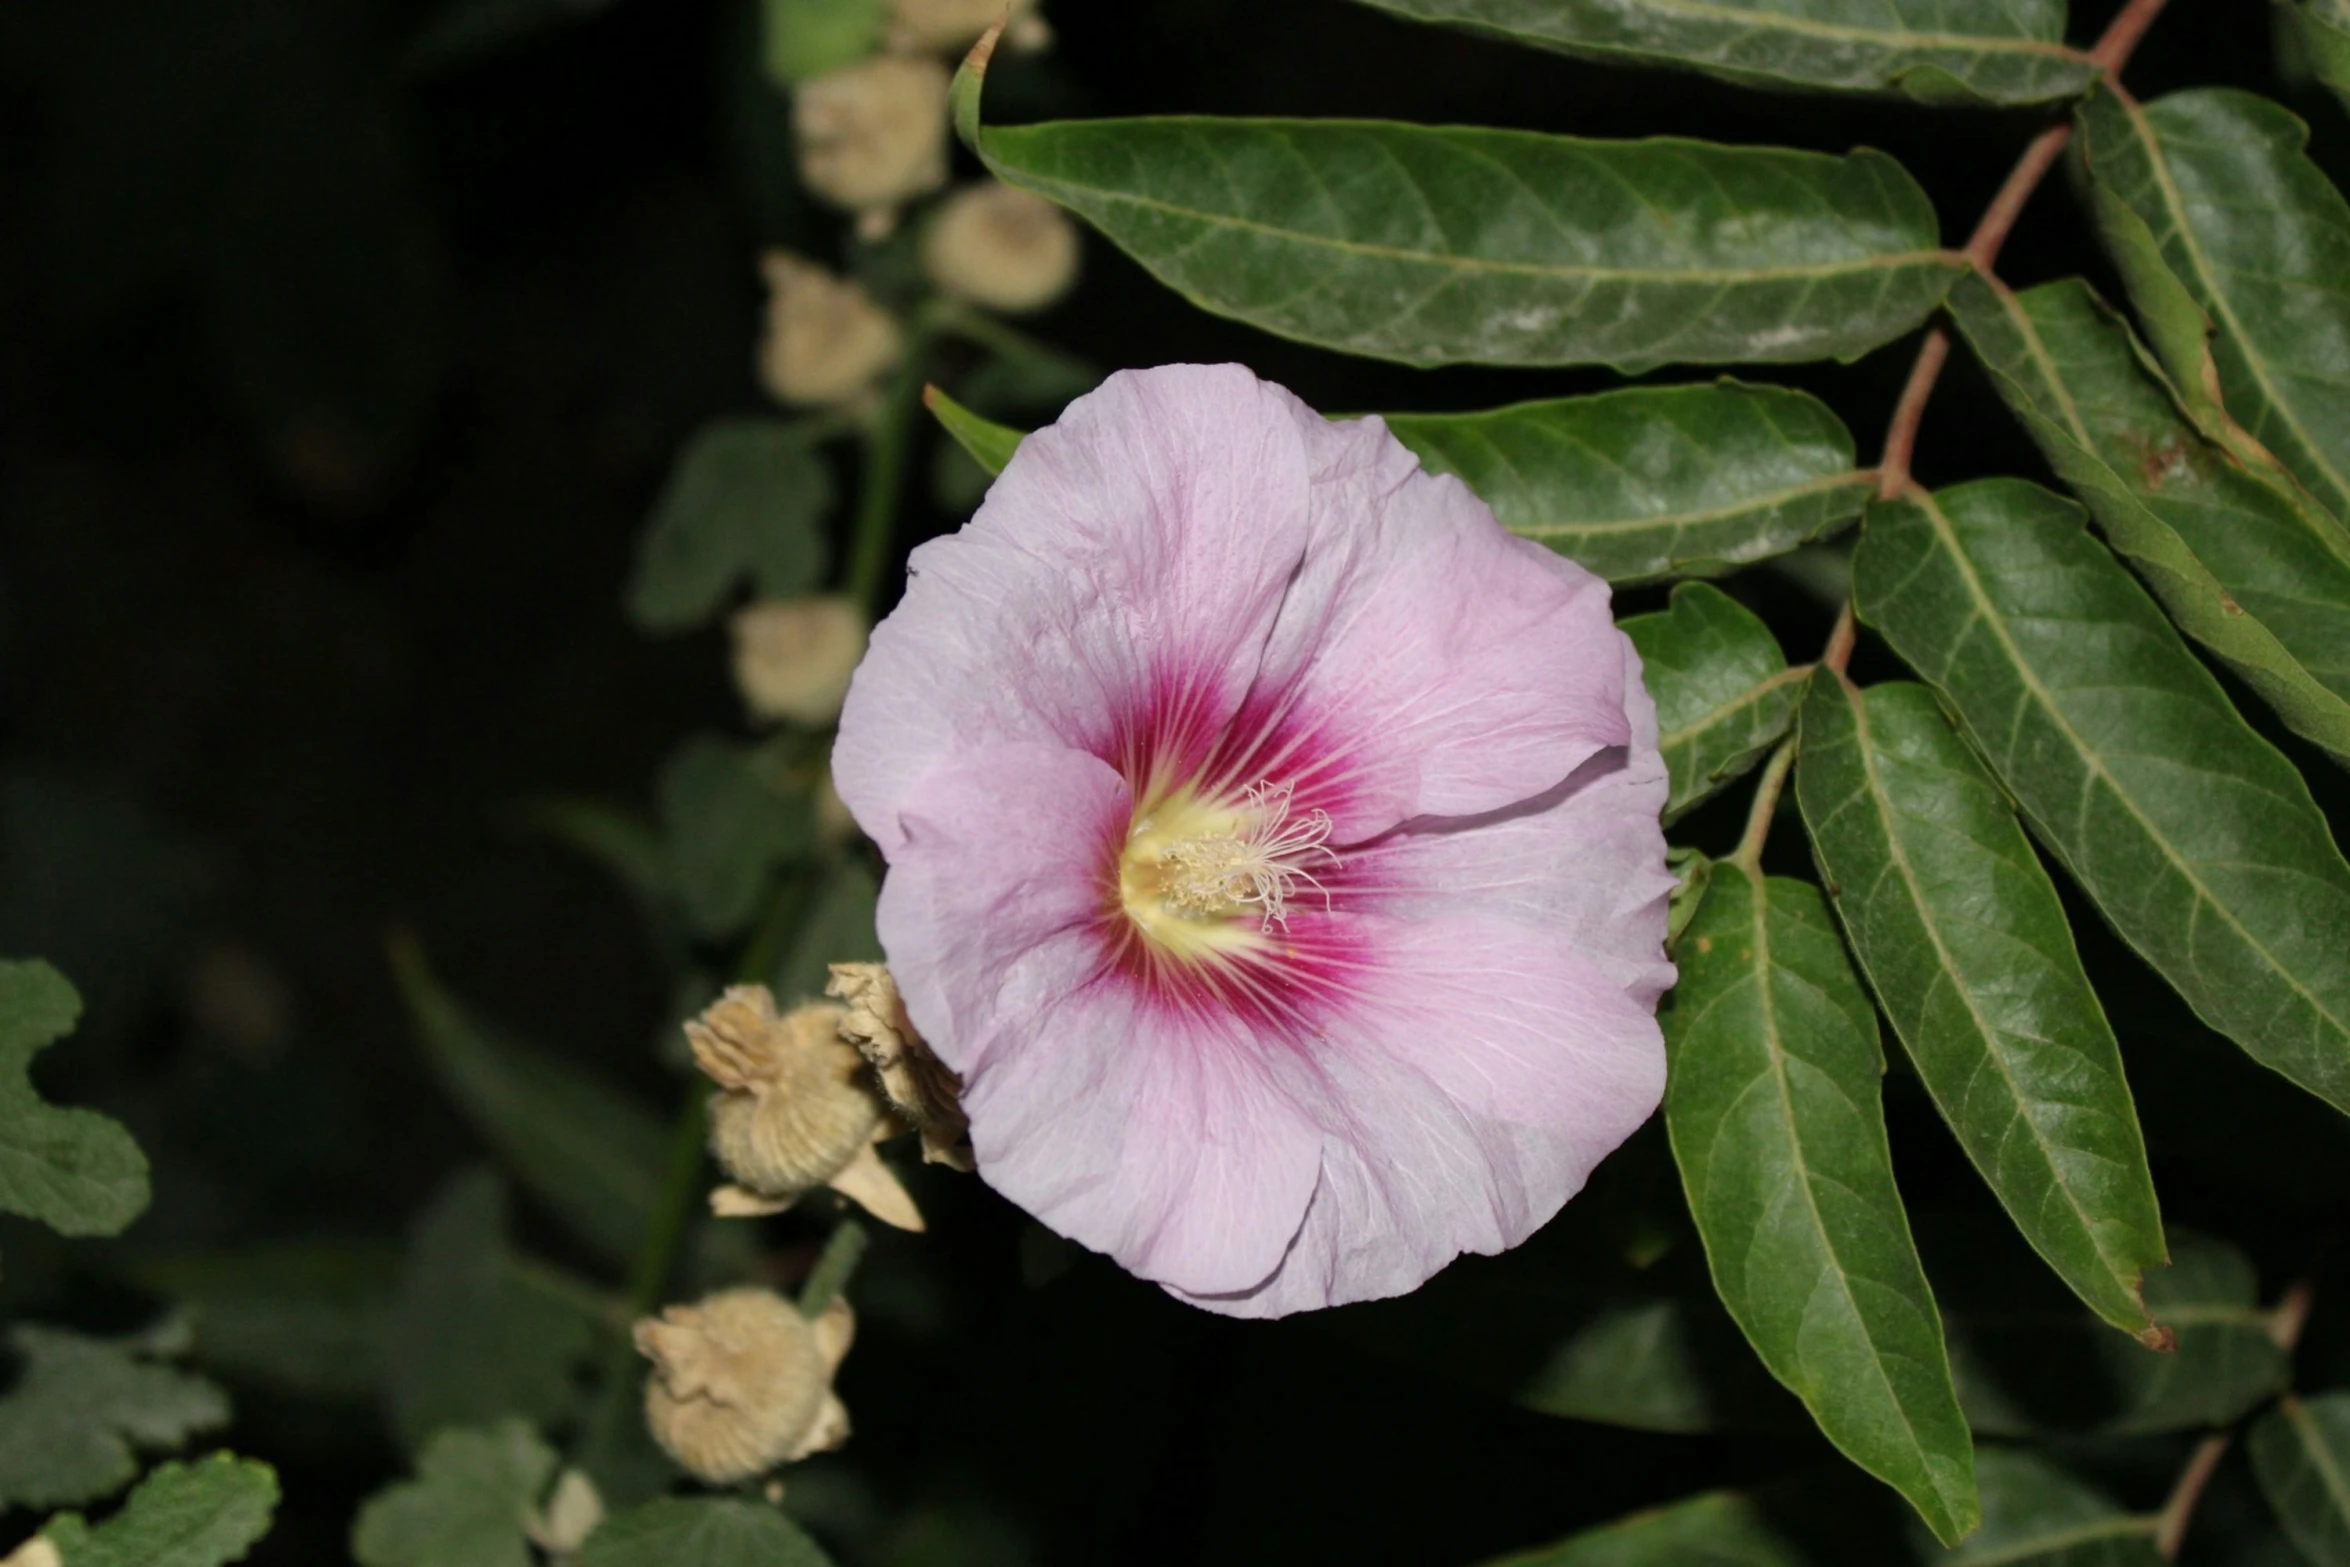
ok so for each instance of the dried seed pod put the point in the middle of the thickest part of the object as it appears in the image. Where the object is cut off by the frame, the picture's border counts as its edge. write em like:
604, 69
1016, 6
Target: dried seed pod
1001, 247
793, 657
920, 1088
874, 134
826, 341
742, 1382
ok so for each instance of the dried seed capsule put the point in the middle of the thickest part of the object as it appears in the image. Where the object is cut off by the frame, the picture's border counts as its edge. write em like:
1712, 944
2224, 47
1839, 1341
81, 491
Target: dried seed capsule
742, 1382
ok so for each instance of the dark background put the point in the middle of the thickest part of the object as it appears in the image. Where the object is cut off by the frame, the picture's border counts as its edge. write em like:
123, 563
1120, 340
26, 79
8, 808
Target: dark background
336, 378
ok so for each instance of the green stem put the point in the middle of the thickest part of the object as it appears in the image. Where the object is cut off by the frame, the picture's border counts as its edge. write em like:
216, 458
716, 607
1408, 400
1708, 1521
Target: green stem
885, 469
843, 1249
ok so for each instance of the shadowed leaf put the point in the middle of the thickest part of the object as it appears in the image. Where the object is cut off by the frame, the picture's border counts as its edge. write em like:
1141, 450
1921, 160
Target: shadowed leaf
474, 1492
706, 1531
70, 1427
2301, 1455
747, 498
76, 1171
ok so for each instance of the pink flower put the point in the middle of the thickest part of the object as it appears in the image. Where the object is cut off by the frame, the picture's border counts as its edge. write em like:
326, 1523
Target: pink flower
1273, 847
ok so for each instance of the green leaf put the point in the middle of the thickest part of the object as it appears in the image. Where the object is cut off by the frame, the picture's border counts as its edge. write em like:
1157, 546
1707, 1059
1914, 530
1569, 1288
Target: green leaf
469, 1505
1971, 51
2241, 557
2325, 32
727, 824
80, 1406
590, 1153
804, 38
1444, 246
990, 444
1772, 1102
2029, 1361
2301, 1456
1654, 481
707, 1532
307, 1317
2228, 205
204, 1514
74, 1170
1724, 694
1967, 946
2193, 836
1692, 872
469, 1340
747, 497
2037, 1515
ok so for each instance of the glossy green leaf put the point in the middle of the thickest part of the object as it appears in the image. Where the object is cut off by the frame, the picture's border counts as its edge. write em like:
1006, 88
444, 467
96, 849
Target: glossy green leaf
990, 444
2301, 1456
592, 1155
1962, 936
747, 498
80, 1409
469, 1340
2193, 835
1941, 51
76, 1171
1452, 245
728, 820
1724, 694
2242, 558
204, 1514
1654, 481
469, 1506
1772, 1102
2029, 1361
705, 1531
2223, 204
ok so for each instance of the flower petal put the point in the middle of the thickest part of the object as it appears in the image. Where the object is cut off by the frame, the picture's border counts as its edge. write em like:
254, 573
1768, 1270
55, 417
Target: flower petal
1124, 570
1476, 1076
1163, 1136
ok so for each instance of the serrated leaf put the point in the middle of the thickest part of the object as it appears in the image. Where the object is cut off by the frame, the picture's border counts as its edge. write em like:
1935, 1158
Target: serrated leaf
590, 1153
1654, 481
1772, 1102
2229, 205
2241, 557
468, 1340
468, 1506
70, 1427
2192, 835
707, 1532
1966, 944
804, 38
2301, 1456
1451, 245
1724, 694
76, 1171
726, 826
1971, 51
746, 498
990, 444
204, 1514
2029, 1361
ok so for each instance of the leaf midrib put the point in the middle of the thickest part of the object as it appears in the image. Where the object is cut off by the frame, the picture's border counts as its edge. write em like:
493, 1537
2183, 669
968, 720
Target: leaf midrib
2217, 300
1986, 613
1768, 21
2120, 1527
1898, 853
1849, 478
1759, 905
1892, 261
1715, 717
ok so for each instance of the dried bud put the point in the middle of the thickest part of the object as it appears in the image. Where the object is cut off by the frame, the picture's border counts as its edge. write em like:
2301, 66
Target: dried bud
793, 657
796, 1108
1002, 248
570, 1516
826, 340
874, 134
922, 1089
742, 1382
954, 25
35, 1552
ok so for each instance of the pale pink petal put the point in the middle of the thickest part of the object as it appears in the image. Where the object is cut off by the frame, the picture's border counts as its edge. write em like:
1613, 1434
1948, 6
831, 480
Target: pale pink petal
1168, 1140
1132, 554
1584, 862
1476, 1076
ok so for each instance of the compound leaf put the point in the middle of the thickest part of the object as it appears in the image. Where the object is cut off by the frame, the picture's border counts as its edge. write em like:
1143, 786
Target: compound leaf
2241, 556
1963, 938
2192, 835
1654, 481
76, 1171
1451, 245
1972, 51
1724, 694
1773, 1105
